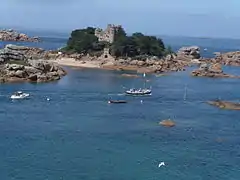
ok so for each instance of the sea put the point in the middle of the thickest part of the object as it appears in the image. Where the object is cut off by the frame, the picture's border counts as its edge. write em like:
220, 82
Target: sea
77, 135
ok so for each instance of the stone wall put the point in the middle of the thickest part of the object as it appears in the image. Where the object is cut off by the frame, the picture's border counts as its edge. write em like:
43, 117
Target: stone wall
107, 34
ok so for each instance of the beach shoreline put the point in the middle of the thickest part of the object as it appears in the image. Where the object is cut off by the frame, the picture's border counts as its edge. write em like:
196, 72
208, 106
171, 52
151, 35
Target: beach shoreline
71, 62
93, 64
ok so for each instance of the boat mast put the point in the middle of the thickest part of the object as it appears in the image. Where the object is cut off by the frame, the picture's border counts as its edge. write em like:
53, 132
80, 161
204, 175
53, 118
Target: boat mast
185, 93
144, 75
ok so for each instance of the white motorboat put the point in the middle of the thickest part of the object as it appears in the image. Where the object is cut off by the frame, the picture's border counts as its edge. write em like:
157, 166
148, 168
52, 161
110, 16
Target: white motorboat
139, 92
19, 95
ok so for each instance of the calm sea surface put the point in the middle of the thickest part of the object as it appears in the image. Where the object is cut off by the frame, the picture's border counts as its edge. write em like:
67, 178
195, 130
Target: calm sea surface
77, 135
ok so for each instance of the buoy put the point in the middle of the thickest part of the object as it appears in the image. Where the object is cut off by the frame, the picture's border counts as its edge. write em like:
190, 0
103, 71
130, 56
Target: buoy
141, 101
48, 99
161, 164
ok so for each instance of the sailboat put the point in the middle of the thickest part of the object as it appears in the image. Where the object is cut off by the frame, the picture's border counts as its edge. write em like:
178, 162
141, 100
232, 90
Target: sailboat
140, 91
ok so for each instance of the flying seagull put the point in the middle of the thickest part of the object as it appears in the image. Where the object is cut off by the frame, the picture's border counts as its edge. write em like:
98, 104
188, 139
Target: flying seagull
161, 164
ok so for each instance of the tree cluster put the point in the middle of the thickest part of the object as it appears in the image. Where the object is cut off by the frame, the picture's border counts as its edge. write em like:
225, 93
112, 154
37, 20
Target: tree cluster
135, 46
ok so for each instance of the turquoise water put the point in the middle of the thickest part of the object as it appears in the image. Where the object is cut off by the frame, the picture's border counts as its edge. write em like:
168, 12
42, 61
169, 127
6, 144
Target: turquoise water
77, 135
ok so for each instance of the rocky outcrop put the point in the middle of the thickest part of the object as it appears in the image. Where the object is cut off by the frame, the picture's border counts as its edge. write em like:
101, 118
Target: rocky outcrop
11, 35
225, 104
151, 65
167, 123
212, 70
229, 58
192, 52
22, 64
21, 53
34, 71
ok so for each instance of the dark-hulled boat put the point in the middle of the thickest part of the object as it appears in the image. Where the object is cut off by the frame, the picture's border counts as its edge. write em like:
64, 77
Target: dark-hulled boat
116, 101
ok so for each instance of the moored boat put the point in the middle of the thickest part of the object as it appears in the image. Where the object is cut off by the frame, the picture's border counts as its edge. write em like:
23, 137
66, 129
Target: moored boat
139, 92
116, 101
19, 95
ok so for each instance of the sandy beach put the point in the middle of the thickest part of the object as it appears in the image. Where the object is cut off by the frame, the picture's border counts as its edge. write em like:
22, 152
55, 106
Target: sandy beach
108, 64
72, 62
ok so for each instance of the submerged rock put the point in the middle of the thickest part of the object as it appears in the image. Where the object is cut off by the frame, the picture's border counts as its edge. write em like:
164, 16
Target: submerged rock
167, 123
225, 104
130, 75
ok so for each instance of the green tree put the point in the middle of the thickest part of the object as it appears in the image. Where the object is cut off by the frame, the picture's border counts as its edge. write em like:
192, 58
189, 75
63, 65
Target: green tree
83, 41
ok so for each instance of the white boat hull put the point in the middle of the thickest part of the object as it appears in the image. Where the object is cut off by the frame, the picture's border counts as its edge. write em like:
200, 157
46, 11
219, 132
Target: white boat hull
139, 93
22, 96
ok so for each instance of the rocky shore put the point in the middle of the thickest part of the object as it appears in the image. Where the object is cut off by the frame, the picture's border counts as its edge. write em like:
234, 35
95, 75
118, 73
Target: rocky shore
11, 35
19, 63
212, 71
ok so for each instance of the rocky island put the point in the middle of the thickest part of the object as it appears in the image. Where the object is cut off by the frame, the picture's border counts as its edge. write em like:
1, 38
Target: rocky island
11, 35
108, 49
19, 63
113, 49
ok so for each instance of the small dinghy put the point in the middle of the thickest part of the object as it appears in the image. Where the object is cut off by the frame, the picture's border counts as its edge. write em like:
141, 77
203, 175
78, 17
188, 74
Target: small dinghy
116, 101
19, 95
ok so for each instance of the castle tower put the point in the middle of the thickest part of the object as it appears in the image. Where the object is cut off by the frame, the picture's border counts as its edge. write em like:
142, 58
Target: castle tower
107, 34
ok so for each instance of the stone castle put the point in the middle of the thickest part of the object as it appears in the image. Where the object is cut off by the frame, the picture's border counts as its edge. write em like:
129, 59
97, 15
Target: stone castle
107, 34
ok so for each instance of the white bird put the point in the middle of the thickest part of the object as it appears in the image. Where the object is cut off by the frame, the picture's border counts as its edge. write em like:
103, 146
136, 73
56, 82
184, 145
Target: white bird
161, 164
